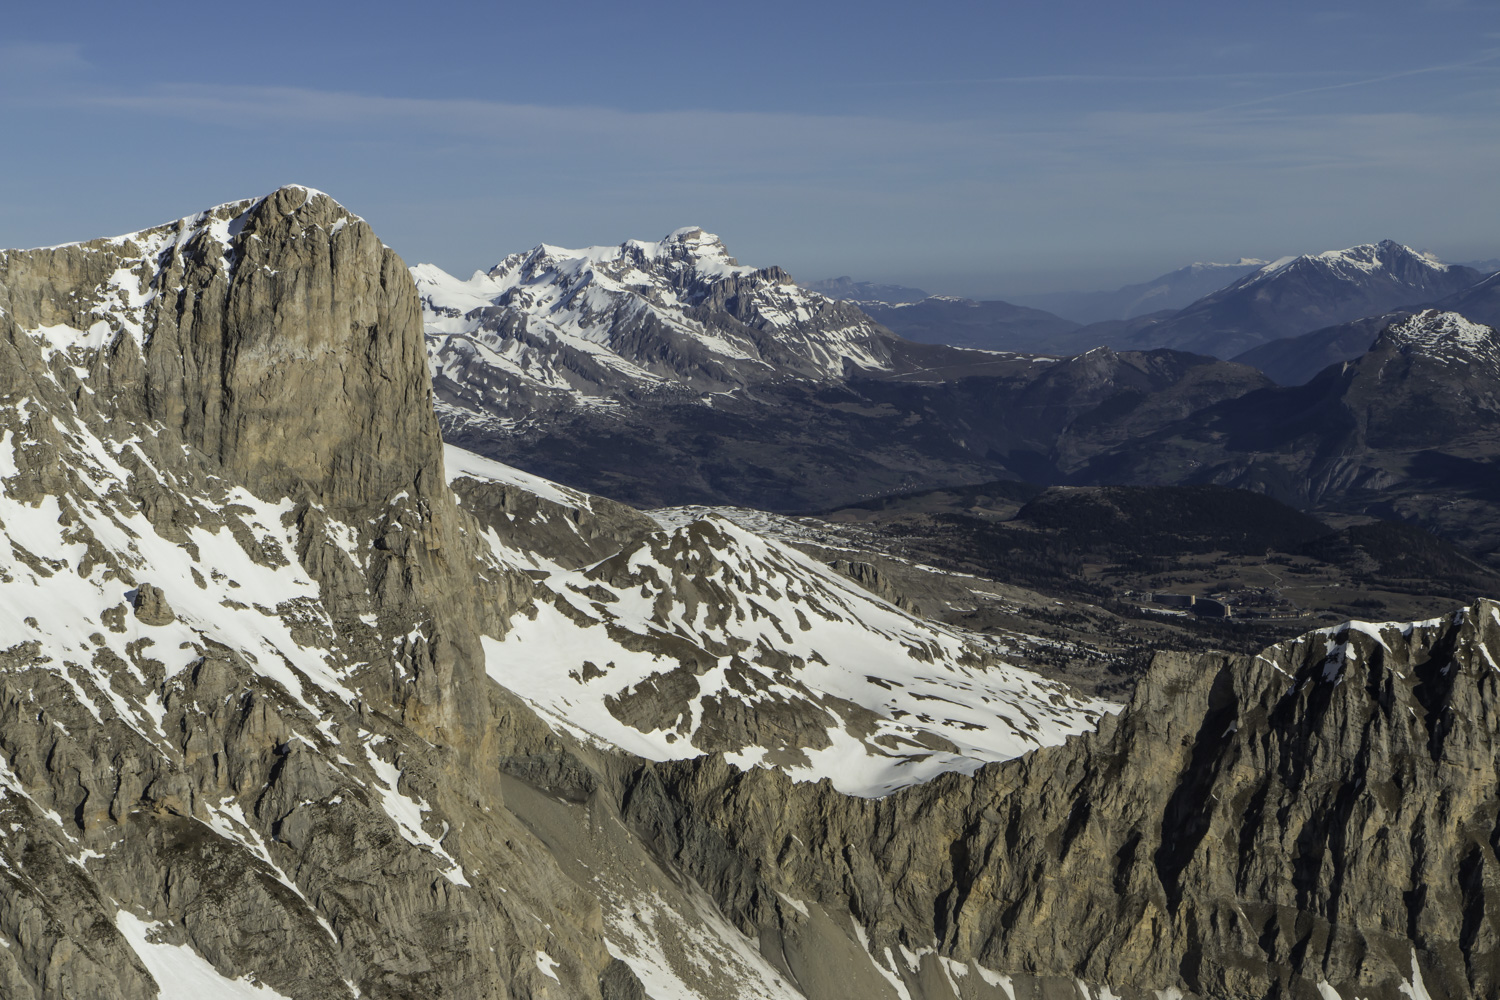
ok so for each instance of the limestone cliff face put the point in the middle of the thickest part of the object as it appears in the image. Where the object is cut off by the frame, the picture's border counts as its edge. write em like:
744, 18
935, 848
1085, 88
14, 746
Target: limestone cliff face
275, 337
1318, 817
244, 719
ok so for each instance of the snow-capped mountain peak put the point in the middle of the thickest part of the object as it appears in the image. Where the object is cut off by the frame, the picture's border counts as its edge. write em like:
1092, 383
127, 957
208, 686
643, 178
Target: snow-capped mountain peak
1352, 262
683, 252
559, 327
691, 245
1297, 295
1446, 336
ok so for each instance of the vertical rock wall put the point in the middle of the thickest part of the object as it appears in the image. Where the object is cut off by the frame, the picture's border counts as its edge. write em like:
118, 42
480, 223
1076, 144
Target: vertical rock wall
252, 716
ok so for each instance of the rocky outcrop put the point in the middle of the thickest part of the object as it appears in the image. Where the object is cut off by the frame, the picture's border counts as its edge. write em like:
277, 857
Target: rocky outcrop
1318, 817
571, 535
870, 577
244, 719
151, 606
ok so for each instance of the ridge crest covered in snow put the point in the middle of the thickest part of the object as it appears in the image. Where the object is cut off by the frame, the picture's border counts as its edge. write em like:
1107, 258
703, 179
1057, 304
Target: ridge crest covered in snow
1366, 258
590, 327
707, 637
1447, 336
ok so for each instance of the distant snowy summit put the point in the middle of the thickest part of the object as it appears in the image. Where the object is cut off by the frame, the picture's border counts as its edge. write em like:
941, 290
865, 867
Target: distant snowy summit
1448, 337
1182, 286
1172, 290
1200, 266
1387, 258
1298, 294
558, 327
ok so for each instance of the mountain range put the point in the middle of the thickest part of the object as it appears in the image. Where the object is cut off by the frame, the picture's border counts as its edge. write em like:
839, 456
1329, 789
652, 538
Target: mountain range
1480, 302
666, 373
1410, 429
301, 701
678, 318
1295, 360
786, 432
1224, 310
989, 325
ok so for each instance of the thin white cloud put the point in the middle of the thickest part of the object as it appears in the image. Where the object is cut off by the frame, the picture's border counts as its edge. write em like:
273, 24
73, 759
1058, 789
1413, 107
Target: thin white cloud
40, 59
753, 140
1487, 60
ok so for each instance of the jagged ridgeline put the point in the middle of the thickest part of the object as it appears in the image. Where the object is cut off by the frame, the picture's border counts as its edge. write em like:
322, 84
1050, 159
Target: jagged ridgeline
295, 703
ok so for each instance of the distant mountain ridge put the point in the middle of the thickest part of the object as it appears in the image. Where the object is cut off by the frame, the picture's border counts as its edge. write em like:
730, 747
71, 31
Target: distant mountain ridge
1295, 295
667, 373
1479, 302
1409, 430
1488, 266
1172, 290
1296, 360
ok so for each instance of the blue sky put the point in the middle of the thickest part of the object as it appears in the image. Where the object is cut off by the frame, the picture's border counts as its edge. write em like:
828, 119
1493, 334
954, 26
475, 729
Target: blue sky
970, 148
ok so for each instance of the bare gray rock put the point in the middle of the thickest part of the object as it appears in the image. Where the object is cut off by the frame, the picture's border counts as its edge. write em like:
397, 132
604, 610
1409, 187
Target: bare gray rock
286, 767
151, 606
1323, 813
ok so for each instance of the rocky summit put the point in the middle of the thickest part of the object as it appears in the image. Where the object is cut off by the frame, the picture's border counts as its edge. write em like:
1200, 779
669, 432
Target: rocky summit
298, 702
598, 327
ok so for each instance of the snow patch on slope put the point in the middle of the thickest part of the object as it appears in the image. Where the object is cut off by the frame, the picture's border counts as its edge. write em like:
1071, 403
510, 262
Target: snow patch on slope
57, 593
180, 972
670, 951
460, 463
406, 813
708, 637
